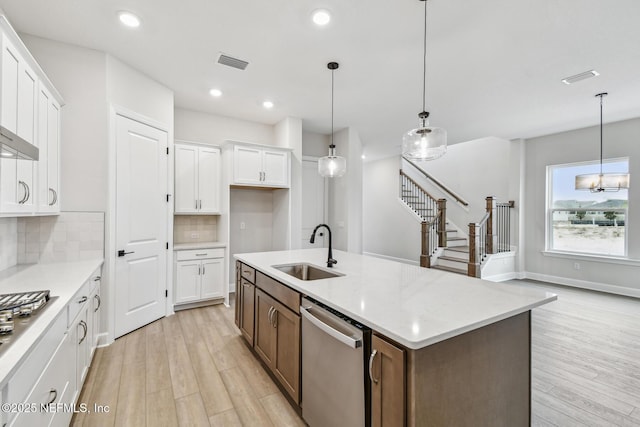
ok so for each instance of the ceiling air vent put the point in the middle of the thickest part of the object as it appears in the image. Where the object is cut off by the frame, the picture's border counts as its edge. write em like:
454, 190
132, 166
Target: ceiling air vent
579, 77
232, 62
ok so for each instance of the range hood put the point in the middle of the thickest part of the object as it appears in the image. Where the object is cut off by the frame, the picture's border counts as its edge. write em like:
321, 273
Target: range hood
11, 145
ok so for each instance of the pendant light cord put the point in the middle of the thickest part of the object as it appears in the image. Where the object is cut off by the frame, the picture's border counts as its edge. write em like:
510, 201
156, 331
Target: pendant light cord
424, 60
601, 96
332, 73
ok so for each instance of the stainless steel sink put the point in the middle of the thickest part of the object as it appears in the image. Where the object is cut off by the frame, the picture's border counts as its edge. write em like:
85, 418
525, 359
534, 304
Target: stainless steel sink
305, 271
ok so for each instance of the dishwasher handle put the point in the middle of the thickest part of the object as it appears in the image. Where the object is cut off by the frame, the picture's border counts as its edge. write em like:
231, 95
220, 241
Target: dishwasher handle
345, 339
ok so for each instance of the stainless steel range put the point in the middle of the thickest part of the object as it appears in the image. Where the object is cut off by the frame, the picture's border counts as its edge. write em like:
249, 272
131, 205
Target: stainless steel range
17, 312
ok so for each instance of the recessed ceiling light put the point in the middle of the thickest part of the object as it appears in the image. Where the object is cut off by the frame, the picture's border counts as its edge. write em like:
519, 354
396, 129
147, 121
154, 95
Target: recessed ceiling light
321, 17
267, 104
215, 92
363, 157
578, 77
129, 19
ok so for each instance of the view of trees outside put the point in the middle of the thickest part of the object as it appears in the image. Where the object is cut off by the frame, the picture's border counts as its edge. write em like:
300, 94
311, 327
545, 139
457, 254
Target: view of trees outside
587, 222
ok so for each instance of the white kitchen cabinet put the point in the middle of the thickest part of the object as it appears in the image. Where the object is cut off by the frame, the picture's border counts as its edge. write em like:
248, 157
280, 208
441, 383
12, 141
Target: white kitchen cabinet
49, 145
197, 179
199, 275
262, 167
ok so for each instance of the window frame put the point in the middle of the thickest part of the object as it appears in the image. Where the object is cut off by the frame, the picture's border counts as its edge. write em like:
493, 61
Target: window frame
549, 211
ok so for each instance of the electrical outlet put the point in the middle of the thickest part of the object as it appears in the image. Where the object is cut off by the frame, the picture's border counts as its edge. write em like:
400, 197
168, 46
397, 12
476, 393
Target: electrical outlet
195, 235
243, 225
576, 266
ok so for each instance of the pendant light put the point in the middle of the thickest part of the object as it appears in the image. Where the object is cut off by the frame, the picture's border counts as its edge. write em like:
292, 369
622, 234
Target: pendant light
332, 166
597, 183
425, 142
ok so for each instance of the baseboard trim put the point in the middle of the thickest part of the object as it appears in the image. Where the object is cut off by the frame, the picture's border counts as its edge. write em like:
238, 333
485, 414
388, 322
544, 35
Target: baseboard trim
501, 277
584, 284
390, 258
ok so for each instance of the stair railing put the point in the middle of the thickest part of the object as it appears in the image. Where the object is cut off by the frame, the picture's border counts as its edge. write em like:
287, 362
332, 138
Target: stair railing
437, 183
489, 236
433, 213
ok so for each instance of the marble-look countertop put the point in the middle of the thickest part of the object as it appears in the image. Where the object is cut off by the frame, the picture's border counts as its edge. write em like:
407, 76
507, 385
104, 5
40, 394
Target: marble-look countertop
414, 306
204, 245
63, 280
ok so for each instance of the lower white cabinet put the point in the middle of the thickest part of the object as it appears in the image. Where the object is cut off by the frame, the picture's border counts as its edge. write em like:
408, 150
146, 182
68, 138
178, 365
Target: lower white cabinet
199, 275
54, 372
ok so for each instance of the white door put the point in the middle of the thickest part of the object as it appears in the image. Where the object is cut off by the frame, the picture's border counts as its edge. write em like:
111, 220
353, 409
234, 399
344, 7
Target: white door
275, 165
141, 224
209, 180
186, 179
313, 195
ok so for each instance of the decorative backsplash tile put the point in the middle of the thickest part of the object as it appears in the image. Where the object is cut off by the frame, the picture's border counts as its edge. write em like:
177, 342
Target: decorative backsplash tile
195, 228
8, 242
70, 236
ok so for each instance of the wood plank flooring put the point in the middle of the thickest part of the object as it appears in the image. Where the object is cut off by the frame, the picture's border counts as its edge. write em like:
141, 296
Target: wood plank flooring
193, 369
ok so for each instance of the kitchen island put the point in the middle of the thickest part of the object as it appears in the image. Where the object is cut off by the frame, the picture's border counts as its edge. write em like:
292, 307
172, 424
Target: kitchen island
452, 350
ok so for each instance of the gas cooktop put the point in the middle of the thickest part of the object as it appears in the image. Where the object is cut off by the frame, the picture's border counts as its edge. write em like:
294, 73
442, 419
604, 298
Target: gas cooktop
17, 312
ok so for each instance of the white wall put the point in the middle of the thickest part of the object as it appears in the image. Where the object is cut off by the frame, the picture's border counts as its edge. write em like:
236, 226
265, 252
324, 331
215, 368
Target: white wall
620, 140
79, 74
390, 229
345, 194
288, 134
315, 144
209, 128
8, 242
254, 209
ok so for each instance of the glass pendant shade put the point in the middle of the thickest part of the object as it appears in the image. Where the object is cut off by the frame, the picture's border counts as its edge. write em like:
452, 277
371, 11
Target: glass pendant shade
424, 143
597, 183
332, 166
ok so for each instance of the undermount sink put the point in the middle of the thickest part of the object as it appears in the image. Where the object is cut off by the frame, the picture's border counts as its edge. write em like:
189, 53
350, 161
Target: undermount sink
305, 271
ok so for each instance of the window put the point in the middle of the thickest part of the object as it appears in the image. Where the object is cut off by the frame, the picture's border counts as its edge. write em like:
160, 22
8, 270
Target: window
585, 222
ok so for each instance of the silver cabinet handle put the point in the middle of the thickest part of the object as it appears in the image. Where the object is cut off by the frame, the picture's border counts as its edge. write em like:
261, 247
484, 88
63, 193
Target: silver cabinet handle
203, 270
199, 270
55, 192
84, 326
54, 197
200, 200
26, 192
373, 356
83, 299
269, 314
55, 396
97, 278
246, 285
274, 318
97, 297
344, 339
204, 254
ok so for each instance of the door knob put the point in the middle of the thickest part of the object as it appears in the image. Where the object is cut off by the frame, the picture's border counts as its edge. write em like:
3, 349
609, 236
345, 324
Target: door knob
121, 252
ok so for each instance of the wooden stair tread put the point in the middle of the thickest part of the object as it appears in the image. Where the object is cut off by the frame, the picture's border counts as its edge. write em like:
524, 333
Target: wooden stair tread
457, 238
450, 258
464, 249
450, 269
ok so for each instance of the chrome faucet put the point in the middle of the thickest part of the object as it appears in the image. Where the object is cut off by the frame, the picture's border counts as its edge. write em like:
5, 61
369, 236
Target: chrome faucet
330, 260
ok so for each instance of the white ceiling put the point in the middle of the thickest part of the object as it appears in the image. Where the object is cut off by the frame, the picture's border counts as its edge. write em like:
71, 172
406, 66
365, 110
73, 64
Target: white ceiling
494, 66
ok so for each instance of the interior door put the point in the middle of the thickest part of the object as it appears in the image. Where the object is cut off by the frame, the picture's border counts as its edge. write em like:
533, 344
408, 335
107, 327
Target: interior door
313, 196
141, 224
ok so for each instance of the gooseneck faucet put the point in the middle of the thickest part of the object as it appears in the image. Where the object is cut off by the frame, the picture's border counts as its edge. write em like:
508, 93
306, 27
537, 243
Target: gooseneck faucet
330, 260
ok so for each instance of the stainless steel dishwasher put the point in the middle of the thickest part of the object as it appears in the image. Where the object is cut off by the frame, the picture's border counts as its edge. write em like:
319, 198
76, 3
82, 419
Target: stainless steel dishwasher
334, 347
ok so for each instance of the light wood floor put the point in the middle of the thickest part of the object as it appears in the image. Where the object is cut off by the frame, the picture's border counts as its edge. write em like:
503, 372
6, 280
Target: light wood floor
193, 369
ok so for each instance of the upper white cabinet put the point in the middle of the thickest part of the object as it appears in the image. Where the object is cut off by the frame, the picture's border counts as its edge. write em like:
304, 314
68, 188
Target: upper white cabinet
263, 167
197, 179
29, 108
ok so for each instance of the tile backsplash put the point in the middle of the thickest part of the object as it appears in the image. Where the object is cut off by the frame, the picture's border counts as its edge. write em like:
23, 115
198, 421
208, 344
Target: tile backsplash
70, 236
195, 228
8, 242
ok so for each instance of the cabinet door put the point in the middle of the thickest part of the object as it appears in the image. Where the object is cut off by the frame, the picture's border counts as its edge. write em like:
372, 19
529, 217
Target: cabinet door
9, 89
247, 165
53, 156
187, 281
247, 310
44, 98
265, 333
27, 102
209, 180
94, 313
186, 179
80, 335
275, 165
212, 278
238, 296
387, 371
287, 358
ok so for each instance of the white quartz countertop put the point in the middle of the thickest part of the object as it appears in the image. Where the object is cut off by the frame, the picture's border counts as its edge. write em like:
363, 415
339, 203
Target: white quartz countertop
63, 280
203, 245
414, 306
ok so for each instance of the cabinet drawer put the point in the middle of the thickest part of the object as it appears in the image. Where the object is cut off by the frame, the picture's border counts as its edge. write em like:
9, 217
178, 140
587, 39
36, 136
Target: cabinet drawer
282, 293
25, 377
199, 254
248, 273
81, 297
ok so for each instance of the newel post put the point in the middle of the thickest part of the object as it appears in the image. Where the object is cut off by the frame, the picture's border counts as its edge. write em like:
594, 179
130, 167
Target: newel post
442, 223
491, 224
425, 259
473, 268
